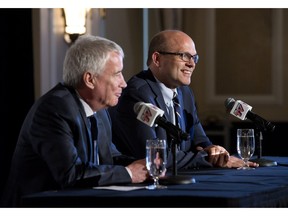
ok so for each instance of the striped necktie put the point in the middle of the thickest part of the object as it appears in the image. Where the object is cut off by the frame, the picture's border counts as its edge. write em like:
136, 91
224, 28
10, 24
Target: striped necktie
94, 134
177, 110
178, 117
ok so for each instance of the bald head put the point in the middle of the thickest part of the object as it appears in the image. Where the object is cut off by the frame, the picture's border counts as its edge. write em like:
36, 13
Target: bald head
167, 40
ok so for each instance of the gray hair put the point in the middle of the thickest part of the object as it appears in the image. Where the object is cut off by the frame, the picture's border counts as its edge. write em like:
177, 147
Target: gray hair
88, 53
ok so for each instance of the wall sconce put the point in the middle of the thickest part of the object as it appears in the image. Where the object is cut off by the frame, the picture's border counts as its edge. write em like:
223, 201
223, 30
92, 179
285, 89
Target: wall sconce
75, 22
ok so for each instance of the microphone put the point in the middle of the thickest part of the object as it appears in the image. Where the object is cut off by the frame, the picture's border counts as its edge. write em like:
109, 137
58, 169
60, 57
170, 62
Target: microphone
243, 111
151, 115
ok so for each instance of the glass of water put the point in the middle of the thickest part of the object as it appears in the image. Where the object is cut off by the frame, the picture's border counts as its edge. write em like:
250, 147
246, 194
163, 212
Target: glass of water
245, 146
156, 160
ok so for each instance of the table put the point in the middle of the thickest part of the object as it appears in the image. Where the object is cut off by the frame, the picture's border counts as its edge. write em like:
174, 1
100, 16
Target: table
262, 187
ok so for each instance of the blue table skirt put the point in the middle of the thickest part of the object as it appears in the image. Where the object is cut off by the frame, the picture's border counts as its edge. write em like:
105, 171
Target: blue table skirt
262, 187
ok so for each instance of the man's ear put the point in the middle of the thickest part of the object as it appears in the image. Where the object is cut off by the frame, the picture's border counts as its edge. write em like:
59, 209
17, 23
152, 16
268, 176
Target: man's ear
155, 58
88, 79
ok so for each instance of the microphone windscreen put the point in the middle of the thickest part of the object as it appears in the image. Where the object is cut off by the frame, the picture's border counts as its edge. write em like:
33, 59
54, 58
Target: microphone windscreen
137, 107
229, 103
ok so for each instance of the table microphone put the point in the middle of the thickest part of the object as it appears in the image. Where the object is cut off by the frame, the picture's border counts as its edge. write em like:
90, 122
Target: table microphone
243, 111
151, 115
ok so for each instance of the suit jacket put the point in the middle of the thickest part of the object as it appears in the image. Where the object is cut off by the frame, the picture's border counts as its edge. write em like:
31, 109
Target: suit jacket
129, 134
54, 149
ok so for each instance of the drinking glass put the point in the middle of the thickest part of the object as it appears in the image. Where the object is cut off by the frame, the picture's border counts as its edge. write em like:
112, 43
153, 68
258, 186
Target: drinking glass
245, 146
156, 160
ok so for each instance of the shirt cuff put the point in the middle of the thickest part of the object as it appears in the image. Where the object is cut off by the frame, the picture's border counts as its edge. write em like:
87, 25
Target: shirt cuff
129, 171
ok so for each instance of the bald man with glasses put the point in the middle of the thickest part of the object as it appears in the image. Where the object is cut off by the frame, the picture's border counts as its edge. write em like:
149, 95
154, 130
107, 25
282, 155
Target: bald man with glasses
172, 59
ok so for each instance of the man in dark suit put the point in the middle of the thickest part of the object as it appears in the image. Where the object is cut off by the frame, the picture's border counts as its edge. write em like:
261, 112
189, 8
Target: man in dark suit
172, 58
55, 149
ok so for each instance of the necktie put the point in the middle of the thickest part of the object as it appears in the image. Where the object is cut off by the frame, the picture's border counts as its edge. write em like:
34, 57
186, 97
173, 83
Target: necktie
178, 117
177, 110
94, 134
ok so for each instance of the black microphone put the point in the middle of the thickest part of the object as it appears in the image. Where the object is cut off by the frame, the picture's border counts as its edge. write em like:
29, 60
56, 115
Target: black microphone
151, 115
243, 111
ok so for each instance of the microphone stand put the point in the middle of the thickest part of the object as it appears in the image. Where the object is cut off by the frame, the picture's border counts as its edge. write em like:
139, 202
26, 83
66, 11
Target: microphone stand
175, 178
261, 161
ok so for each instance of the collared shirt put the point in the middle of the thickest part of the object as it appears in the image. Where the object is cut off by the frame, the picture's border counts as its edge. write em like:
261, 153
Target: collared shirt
168, 95
88, 110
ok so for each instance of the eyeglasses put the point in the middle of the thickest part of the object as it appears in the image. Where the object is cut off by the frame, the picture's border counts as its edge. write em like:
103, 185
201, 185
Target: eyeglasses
184, 56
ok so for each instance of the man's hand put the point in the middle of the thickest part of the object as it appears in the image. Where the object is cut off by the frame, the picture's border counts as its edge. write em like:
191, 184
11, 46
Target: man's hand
217, 155
139, 171
235, 162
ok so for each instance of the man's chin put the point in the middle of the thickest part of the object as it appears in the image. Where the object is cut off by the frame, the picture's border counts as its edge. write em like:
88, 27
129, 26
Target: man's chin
114, 103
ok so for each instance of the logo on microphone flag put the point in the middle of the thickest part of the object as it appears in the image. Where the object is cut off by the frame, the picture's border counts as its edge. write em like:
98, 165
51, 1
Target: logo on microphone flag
146, 115
238, 110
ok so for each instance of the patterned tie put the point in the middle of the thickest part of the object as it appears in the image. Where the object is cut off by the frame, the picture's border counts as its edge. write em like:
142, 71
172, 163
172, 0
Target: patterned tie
177, 109
94, 134
178, 117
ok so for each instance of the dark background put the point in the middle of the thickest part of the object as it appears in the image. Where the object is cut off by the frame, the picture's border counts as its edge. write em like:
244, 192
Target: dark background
17, 83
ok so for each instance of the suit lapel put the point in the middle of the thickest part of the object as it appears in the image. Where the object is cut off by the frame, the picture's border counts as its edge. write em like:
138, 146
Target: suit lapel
87, 147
